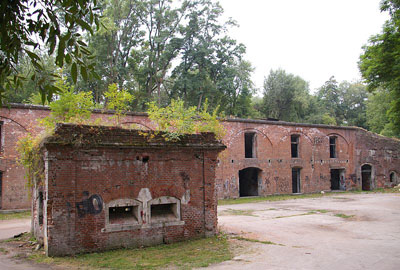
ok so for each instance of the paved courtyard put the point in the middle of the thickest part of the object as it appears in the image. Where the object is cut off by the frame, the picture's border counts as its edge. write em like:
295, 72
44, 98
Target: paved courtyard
344, 231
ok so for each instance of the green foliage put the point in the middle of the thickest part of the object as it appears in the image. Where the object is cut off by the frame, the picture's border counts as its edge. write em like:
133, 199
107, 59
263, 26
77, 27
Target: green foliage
28, 26
29, 157
118, 100
377, 108
178, 120
286, 97
380, 62
71, 107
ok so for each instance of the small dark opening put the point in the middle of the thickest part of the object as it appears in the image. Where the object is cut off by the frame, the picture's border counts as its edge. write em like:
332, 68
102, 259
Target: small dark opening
145, 159
366, 171
249, 144
163, 212
335, 179
392, 177
332, 147
294, 139
296, 180
248, 182
122, 214
40, 208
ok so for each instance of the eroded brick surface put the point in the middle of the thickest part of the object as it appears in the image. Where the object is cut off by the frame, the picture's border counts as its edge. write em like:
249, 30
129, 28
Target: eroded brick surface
119, 188
272, 162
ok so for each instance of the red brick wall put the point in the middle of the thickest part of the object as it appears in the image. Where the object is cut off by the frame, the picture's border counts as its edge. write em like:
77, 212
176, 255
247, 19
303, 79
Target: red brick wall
273, 154
181, 170
273, 158
17, 122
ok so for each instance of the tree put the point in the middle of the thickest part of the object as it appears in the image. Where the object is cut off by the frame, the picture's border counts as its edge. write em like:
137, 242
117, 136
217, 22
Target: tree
113, 45
28, 26
380, 62
286, 97
212, 65
330, 95
354, 103
377, 107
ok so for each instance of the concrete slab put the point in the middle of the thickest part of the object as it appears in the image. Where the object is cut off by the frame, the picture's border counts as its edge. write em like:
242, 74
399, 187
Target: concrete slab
345, 231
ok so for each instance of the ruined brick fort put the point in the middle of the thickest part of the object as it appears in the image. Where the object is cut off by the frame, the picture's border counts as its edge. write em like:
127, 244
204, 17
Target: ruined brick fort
262, 157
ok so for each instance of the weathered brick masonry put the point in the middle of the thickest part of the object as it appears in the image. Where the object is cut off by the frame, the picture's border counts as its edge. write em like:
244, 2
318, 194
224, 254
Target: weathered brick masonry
302, 158
107, 187
269, 167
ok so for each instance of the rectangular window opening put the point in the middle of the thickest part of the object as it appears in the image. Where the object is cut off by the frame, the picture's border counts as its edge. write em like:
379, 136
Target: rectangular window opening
40, 208
332, 147
296, 180
164, 212
249, 145
123, 214
294, 139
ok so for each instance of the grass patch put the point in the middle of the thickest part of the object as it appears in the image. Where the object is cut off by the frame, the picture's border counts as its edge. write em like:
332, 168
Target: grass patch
271, 198
256, 241
182, 255
322, 211
18, 215
304, 214
377, 190
343, 215
234, 212
3, 250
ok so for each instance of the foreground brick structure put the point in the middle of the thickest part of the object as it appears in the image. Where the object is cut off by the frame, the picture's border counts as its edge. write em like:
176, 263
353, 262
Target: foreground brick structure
269, 167
107, 187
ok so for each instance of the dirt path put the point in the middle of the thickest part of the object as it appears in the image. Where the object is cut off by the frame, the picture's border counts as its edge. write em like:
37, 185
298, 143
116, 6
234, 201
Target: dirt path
349, 231
9, 228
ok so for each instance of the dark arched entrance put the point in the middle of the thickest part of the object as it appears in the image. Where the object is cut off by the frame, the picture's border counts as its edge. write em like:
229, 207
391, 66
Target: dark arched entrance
248, 182
366, 173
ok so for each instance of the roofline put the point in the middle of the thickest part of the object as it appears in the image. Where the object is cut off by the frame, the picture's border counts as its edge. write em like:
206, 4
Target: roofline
284, 123
233, 120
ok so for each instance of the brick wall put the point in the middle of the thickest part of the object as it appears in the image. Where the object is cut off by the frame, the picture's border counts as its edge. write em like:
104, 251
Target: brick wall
91, 171
273, 163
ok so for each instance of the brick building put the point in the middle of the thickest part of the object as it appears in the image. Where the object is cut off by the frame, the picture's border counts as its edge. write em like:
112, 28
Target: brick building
108, 187
262, 157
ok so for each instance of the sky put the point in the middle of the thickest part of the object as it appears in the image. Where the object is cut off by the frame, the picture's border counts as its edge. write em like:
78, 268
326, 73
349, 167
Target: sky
313, 39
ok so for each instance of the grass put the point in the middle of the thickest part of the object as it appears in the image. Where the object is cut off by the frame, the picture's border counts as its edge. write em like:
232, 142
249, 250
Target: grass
18, 215
234, 212
3, 250
270, 198
343, 215
256, 241
304, 214
182, 255
284, 197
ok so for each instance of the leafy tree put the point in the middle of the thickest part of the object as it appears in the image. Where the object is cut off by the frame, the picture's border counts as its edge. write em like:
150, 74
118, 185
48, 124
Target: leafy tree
380, 62
212, 65
286, 96
377, 106
27, 26
71, 106
330, 96
113, 45
354, 103
117, 100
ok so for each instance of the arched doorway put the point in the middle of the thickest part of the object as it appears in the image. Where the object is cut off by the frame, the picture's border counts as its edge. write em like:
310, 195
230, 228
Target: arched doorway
248, 182
366, 176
